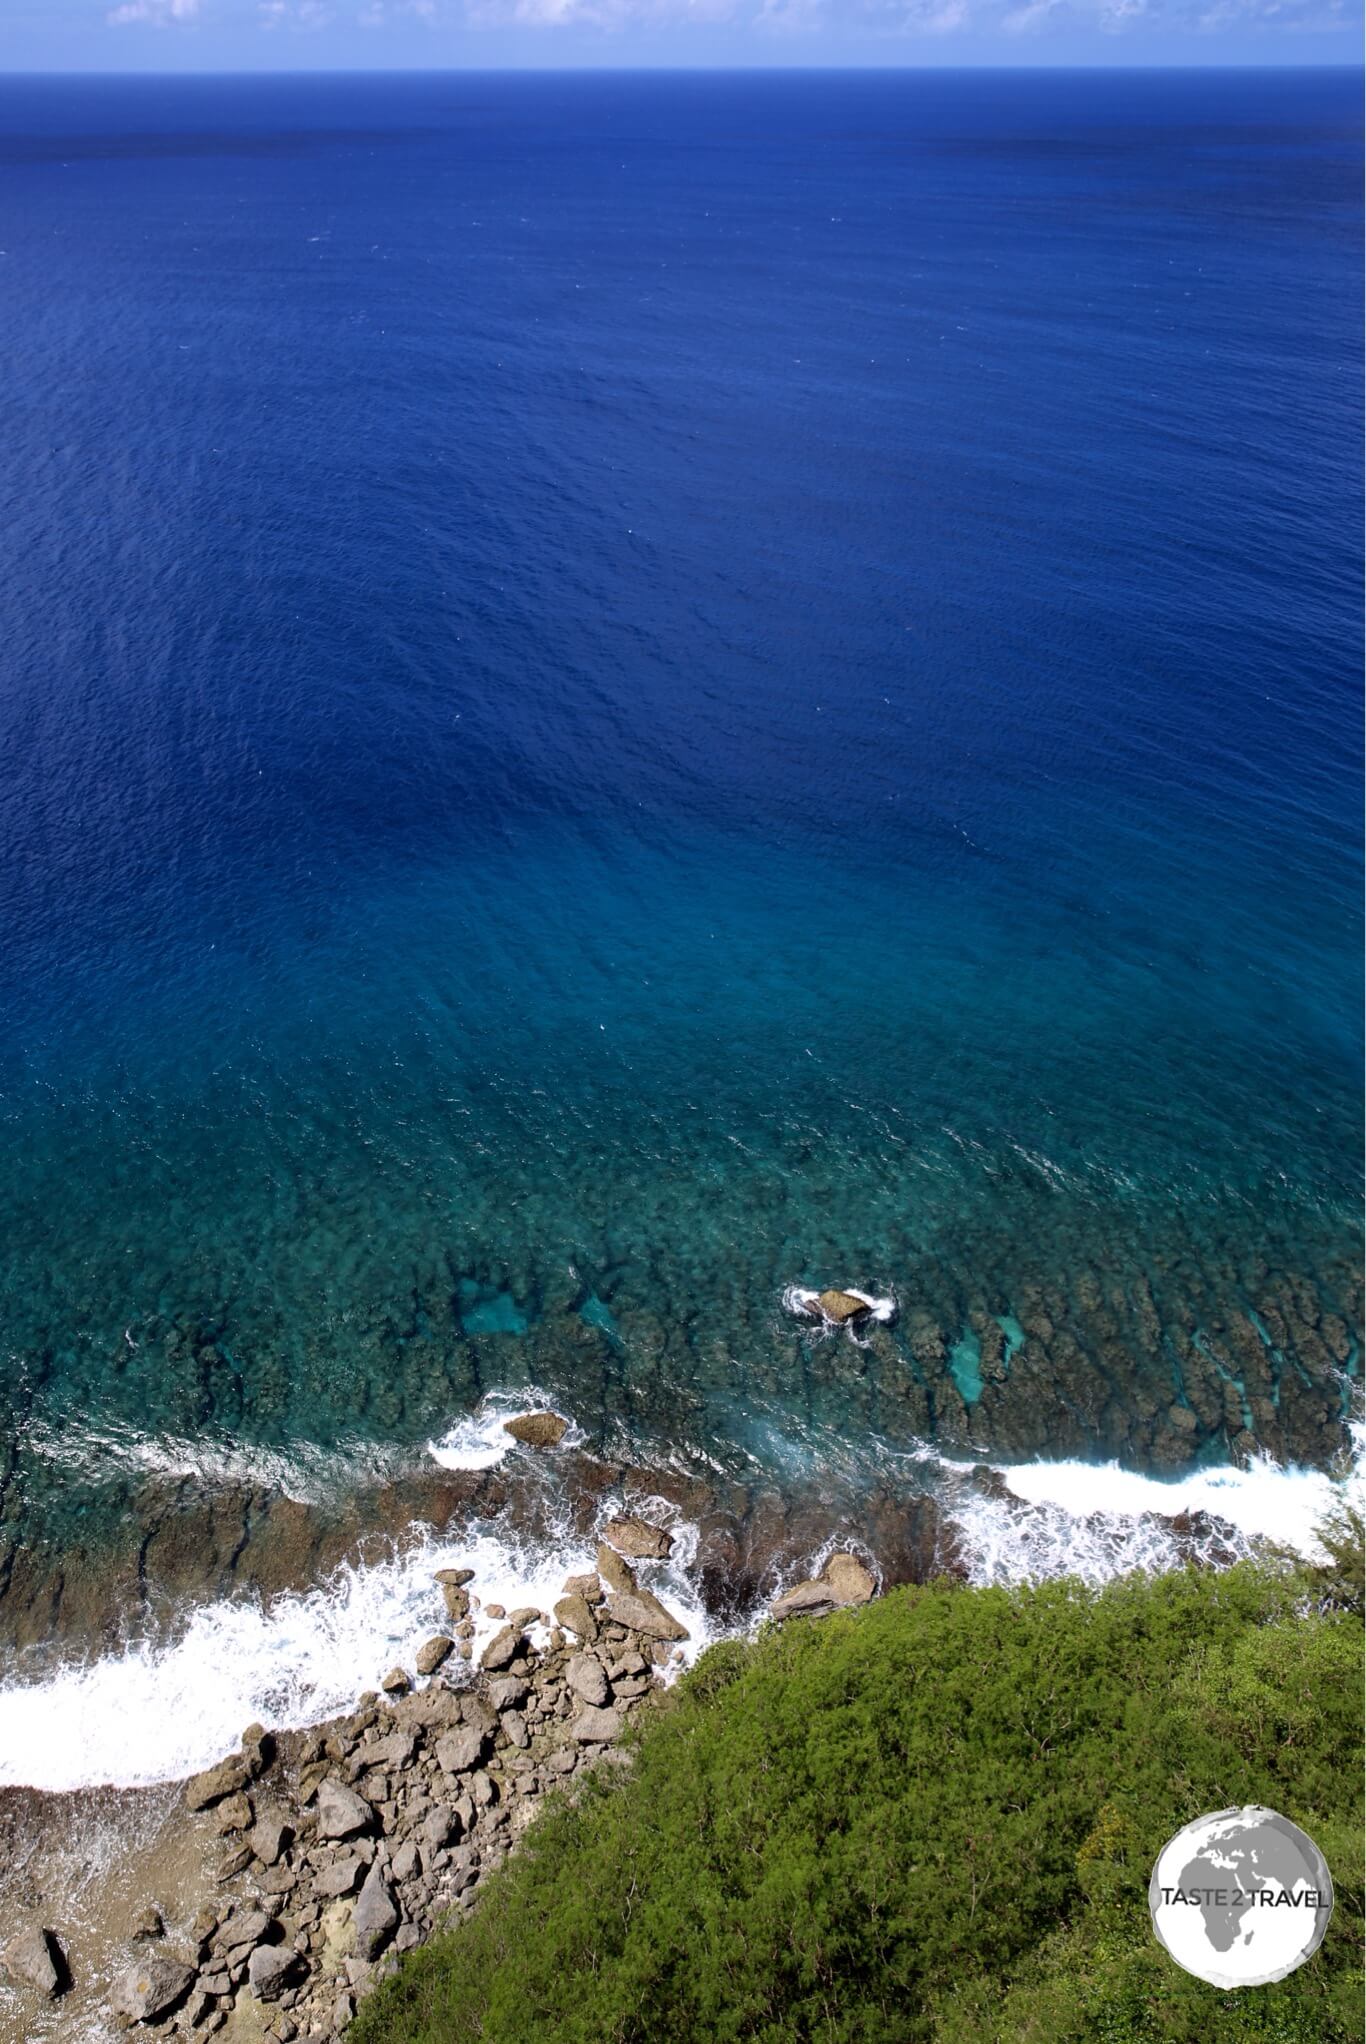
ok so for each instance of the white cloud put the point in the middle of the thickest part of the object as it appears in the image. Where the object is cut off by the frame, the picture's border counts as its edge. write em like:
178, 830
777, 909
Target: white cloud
152, 13
389, 13
1024, 20
307, 14
606, 14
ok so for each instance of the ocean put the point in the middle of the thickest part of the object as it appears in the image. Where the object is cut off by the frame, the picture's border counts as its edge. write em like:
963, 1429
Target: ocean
623, 692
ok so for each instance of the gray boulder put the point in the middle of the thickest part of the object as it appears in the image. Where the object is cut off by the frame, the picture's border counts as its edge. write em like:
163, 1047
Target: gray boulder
234, 1813
270, 1970
507, 1691
241, 1933
586, 1678
395, 1751
806, 1600
597, 1727
35, 1959
501, 1648
643, 1613
152, 1987
431, 1655
376, 1916
269, 1836
574, 1615
440, 1826
616, 1573
459, 1751
341, 1812
844, 1580
634, 1537
339, 1876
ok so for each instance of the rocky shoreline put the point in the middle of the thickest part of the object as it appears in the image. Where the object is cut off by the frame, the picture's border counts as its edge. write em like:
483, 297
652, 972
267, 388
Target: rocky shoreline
260, 1900
329, 1852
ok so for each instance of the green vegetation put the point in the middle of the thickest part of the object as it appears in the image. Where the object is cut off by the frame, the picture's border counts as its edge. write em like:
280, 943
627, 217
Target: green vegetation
934, 1819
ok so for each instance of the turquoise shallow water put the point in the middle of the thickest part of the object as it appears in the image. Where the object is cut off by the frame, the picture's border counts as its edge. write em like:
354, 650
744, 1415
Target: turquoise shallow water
621, 694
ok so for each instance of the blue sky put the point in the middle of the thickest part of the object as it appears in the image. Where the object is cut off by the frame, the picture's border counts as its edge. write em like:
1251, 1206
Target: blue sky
293, 35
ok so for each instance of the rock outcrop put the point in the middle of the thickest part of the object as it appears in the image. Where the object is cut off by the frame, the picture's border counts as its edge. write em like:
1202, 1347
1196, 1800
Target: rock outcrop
537, 1429
637, 1539
844, 1580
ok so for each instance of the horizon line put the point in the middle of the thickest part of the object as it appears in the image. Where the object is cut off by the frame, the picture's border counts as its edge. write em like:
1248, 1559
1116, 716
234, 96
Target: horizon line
1353, 65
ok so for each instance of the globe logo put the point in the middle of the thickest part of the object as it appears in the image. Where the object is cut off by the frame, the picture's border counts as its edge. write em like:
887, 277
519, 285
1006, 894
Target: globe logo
1241, 1898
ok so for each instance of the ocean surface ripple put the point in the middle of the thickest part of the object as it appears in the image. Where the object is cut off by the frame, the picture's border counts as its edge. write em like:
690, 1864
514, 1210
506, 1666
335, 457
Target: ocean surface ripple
625, 694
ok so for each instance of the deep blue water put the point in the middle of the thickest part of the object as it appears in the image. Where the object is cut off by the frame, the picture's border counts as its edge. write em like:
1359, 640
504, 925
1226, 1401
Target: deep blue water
620, 691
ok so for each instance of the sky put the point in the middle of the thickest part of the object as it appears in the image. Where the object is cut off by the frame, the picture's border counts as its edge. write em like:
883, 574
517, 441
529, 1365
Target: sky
304, 35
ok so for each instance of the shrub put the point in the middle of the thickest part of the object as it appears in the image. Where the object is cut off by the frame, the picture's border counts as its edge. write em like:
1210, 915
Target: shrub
934, 1819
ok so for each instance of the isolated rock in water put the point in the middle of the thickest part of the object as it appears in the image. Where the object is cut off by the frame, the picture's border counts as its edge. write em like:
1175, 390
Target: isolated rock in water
269, 1969
841, 1306
597, 1727
587, 1678
641, 1612
35, 1959
616, 1573
456, 1577
147, 1926
341, 1812
433, 1653
641, 1541
152, 1987
376, 1915
537, 1429
396, 1683
230, 1775
807, 1600
456, 1600
850, 1579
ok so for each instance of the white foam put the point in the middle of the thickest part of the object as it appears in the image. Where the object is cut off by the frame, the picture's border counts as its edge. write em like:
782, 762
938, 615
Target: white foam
1096, 1521
309, 1475
161, 1710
